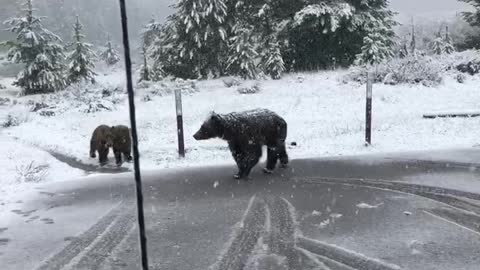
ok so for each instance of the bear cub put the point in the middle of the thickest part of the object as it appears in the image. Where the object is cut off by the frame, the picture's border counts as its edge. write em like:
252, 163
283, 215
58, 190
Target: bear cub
246, 132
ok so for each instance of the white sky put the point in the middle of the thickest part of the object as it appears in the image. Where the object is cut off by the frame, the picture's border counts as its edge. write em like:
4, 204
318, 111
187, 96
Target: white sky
431, 8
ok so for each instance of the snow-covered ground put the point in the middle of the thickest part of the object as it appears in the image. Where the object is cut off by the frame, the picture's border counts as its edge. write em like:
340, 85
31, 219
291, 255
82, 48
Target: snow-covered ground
325, 118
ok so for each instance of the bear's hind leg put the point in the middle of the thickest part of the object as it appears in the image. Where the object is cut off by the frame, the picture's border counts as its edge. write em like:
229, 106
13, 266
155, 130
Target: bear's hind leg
93, 148
282, 153
127, 155
272, 158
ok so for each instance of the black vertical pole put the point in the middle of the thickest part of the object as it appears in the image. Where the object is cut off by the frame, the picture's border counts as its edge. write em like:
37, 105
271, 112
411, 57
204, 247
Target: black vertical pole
136, 161
368, 115
178, 105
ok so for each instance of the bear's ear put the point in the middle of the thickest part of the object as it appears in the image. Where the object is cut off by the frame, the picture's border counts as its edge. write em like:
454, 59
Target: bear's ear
215, 116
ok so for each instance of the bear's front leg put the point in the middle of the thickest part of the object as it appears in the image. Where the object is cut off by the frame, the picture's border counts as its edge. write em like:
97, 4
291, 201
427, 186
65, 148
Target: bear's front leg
118, 157
102, 155
247, 159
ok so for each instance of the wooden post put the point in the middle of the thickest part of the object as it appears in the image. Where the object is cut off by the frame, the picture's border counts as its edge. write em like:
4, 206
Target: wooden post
178, 105
368, 115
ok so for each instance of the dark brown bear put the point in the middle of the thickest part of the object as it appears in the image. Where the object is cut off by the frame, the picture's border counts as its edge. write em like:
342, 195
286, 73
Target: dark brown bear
246, 132
101, 141
122, 143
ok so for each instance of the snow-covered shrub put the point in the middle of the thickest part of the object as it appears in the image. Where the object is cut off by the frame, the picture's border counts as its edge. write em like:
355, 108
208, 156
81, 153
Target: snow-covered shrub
300, 79
249, 88
461, 78
425, 70
32, 172
11, 121
38, 106
97, 107
4, 101
147, 98
2, 87
472, 67
231, 81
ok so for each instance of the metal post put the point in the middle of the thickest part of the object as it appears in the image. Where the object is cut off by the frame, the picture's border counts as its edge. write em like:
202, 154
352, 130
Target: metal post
178, 105
368, 115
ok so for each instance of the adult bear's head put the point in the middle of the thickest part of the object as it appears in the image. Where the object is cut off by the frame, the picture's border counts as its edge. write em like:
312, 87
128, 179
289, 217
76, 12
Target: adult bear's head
211, 128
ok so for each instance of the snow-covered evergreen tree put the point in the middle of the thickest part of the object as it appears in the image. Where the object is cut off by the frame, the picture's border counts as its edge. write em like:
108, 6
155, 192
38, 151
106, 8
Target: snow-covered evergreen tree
150, 32
438, 45
325, 30
195, 39
81, 59
242, 54
448, 42
110, 55
272, 62
41, 52
375, 49
145, 74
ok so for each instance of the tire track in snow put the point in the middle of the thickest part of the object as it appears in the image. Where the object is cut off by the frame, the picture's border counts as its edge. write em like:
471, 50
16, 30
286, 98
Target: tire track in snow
450, 197
245, 240
114, 224
352, 259
281, 240
465, 206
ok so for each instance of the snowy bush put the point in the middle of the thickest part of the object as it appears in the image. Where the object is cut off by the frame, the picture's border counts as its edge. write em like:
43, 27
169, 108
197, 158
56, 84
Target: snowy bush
2, 87
231, 81
11, 121
472, 67
461, 78
249, 88
410, 70
38, 106
4, 101
32, 172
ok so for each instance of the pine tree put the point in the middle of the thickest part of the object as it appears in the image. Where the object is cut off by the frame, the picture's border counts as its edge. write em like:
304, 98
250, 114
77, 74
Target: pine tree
413, 42
41, 52
242, 55
80, 60
375, 49
272, 62
448, 42
110, 55
144, 70
438, 45
197, 39
150, 32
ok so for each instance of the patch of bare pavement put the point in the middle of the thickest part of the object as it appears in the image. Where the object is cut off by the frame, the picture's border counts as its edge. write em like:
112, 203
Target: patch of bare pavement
363, 213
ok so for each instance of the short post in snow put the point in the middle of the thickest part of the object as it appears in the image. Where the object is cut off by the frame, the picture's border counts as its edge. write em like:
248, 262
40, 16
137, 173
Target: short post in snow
368, 114
178, 105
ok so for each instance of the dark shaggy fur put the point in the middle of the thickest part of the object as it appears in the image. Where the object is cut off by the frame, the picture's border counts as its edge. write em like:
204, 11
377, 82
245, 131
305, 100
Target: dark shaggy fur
246, 132
122, 143
100, 142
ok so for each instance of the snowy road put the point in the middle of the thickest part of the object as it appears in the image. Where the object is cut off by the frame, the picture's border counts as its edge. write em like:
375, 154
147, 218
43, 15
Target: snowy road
408, 211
